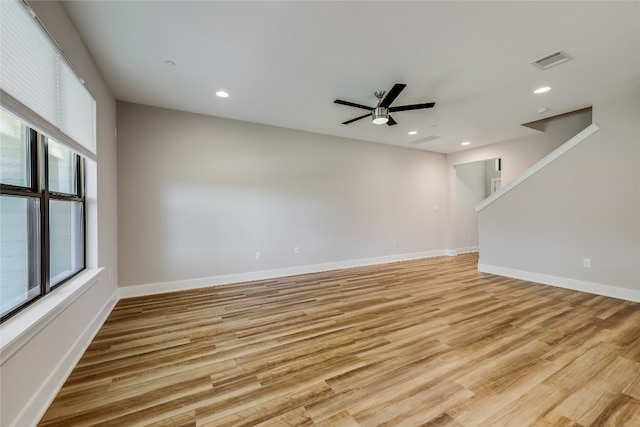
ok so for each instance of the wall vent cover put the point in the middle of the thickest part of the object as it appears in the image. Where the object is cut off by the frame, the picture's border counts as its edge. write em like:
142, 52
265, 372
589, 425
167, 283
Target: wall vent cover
552, 60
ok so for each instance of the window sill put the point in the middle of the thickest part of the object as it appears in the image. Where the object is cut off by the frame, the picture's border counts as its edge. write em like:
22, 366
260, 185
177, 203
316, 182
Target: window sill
18, 330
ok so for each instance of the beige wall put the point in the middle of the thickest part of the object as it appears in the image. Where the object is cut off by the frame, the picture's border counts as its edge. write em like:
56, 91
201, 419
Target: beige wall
200, 195
585, 204
33, 374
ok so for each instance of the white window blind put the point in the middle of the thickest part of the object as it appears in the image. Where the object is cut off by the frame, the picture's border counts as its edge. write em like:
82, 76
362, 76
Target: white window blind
77, 108
39, 85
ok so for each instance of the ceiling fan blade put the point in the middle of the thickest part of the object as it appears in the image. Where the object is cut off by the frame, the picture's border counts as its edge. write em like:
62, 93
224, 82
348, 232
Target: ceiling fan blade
391, 122
412, 107
352, 104
393, 94
356, 119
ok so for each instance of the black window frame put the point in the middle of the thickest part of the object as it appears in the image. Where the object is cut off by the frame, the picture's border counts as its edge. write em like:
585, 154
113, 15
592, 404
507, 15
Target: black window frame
39, 189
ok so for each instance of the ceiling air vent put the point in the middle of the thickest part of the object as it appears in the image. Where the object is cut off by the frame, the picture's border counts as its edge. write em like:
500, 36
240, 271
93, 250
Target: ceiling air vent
424, 140
552, 60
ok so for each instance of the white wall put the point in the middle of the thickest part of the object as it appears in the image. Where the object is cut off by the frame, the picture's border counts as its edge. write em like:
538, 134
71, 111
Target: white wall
517, 156
200, 195
33, 371
470, 190
585, 204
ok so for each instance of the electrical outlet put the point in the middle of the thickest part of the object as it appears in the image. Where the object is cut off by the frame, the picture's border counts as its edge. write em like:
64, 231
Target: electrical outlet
296, 250
586, 262
258, 255
394, 243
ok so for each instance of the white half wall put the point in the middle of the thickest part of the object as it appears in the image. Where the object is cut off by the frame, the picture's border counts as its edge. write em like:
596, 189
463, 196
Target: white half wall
41, 345
205, 197
582, 208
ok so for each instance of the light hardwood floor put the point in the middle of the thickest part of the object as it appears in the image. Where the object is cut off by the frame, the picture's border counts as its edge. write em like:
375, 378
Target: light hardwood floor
420, 343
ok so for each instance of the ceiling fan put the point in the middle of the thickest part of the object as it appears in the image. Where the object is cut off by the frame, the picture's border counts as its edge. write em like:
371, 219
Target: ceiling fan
380, 113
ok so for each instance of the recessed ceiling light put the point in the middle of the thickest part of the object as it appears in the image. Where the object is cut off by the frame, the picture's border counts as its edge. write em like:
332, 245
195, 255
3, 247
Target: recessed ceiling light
222, 94
413, 132
466, 143
542, 90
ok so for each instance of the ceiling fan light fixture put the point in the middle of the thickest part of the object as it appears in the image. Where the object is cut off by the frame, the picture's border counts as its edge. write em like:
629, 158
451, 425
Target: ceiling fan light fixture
380, 115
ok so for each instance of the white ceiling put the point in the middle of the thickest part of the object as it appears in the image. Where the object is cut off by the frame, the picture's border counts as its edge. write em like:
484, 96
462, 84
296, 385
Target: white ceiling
284, 63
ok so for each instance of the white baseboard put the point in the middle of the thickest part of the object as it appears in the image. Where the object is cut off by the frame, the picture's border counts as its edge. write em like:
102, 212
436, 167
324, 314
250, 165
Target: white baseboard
35, 409
181, 285
467, 250
460, 251
562, 282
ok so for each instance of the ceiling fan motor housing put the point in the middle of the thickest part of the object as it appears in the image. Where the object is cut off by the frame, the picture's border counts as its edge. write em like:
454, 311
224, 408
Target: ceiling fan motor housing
380, 115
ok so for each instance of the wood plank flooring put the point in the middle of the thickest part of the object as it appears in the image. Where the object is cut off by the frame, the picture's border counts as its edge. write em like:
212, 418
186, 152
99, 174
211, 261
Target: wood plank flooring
421, 343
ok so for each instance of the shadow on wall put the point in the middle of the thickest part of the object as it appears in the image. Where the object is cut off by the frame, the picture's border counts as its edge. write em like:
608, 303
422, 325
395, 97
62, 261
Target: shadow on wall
474, 182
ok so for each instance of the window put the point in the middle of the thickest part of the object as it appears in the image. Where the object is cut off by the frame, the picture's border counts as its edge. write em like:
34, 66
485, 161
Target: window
42, 211
47, 131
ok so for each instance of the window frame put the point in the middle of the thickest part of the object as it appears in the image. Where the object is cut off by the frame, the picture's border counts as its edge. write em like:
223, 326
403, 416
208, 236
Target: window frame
38, 146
